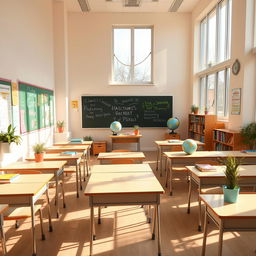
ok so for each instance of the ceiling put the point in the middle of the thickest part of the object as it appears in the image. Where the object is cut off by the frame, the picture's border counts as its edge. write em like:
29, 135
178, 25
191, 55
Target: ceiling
117, 6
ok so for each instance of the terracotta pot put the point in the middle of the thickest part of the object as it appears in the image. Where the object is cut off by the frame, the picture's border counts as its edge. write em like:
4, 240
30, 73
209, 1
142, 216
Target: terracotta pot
60, 129
196, 112
39, 157
136, 132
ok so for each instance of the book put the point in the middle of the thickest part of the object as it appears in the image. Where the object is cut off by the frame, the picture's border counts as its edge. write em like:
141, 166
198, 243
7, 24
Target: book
205, 168
174, 141
76, 141
8, 178
70, 153
249, 151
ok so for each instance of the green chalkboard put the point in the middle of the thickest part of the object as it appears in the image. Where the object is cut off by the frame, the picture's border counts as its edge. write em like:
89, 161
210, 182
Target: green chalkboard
36, 107
145, 111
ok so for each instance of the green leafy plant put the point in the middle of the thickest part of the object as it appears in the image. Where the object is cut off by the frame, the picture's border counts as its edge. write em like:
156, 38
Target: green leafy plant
60, 124
136, 127
10, 136
231, 172
248, 134
39, 148
87, 138
194, 108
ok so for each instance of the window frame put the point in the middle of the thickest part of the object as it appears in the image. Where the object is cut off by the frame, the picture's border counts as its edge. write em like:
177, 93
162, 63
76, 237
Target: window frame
132, 27
254, 37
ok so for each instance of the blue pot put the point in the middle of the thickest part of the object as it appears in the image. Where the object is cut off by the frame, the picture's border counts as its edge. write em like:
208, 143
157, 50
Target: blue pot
230, 195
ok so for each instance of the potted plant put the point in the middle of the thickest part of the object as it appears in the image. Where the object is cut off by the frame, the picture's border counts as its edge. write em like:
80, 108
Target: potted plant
6, 138
194, 109
87, 138
60, 126
136, 130
39, 149
231, 189
248, 134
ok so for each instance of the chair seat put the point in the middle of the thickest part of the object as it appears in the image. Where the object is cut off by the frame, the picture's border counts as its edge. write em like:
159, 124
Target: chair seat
212, 190
70, 169
16, 213
179, 169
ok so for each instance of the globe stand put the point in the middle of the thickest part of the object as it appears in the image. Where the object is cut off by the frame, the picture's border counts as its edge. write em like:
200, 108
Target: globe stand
172, 132
114, 133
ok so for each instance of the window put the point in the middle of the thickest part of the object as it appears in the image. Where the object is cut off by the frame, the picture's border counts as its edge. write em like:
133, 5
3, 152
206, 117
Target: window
215, 34
132, 55
214, 92
254, 24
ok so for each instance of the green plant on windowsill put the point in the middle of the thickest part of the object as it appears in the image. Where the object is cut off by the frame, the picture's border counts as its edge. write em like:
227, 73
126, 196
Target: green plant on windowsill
9, 136
87, 138
39, 148
194, 109
248, 134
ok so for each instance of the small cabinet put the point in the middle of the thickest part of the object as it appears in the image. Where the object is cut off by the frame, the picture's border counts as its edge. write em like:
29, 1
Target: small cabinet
99, 146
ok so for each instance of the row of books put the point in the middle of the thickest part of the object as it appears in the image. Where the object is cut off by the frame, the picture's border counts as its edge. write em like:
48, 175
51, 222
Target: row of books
197, 119
223, 137
196, 128
221, 147
196, 136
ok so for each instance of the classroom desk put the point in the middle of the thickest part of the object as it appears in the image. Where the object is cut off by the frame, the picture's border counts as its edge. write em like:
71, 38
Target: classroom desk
217, 178
185, 159
76, 148
53, 167
126, 139
124, 188
108, 156
3, 208
25, 191
164, 144
239, 216
72, 160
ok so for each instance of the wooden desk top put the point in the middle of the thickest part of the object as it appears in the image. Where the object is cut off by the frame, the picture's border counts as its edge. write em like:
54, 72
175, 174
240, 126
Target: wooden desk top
209, 154
120, 136
28, 185
57, 157
64, 143
123, 183
178, 143
121, 168
58, 149
3, 207
121, 155
47, 165
244, 171
245, 206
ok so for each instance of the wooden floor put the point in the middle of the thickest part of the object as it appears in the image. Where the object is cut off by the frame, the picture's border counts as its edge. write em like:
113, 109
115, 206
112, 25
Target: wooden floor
124, 230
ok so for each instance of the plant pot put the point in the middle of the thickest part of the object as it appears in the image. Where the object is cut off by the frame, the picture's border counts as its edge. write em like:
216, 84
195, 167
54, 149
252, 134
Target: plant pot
5, 148
206, 112
196, 112
60, 129
230, 195
39, 157
136, 132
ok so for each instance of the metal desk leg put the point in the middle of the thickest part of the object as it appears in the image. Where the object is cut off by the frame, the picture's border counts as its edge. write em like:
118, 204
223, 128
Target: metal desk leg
189, 195
80, 177
220, 239
49, 211
99, 215
199, 212
2, 234
33, 228
170, 176
87, 168
166, 175
91, 230
77, 185
57, 195
157, 158
161, 160
158, 229
154, 224
205, 232
138, 149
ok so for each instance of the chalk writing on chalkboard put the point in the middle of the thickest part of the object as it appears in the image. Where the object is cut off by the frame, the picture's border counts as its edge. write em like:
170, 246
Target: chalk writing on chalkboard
145, 111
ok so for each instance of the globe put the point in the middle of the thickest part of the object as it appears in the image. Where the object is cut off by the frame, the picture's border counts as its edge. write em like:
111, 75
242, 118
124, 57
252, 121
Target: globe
189, 146
115, 127
173, 123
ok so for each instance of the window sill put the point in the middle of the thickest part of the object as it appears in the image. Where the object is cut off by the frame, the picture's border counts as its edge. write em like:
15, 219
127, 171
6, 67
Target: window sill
131, 84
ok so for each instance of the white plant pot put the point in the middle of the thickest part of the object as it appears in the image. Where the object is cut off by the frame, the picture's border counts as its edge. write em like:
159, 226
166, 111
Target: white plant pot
5, 148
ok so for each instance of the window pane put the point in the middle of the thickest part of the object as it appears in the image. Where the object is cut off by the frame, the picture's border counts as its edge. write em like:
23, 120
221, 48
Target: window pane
223, 30
212, 38
122, 55
142, 55
221, 93
211, 93
229, 28
202, 93
203, 33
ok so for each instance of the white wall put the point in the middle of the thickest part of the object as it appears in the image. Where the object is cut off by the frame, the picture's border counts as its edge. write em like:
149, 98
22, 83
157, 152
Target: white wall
89, 39
26, 50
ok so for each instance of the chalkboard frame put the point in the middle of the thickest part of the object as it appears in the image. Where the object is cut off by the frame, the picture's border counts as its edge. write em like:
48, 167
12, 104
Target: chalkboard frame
86, 124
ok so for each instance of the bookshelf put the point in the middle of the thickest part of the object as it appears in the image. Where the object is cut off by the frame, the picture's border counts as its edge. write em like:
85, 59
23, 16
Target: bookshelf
200, 127
224, 139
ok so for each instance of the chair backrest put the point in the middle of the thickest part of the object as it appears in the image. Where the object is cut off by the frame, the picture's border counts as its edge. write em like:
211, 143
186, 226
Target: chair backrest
211, 162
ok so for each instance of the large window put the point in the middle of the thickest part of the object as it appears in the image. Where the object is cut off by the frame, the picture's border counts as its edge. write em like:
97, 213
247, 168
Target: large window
214, 92
215, 33
132, 55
